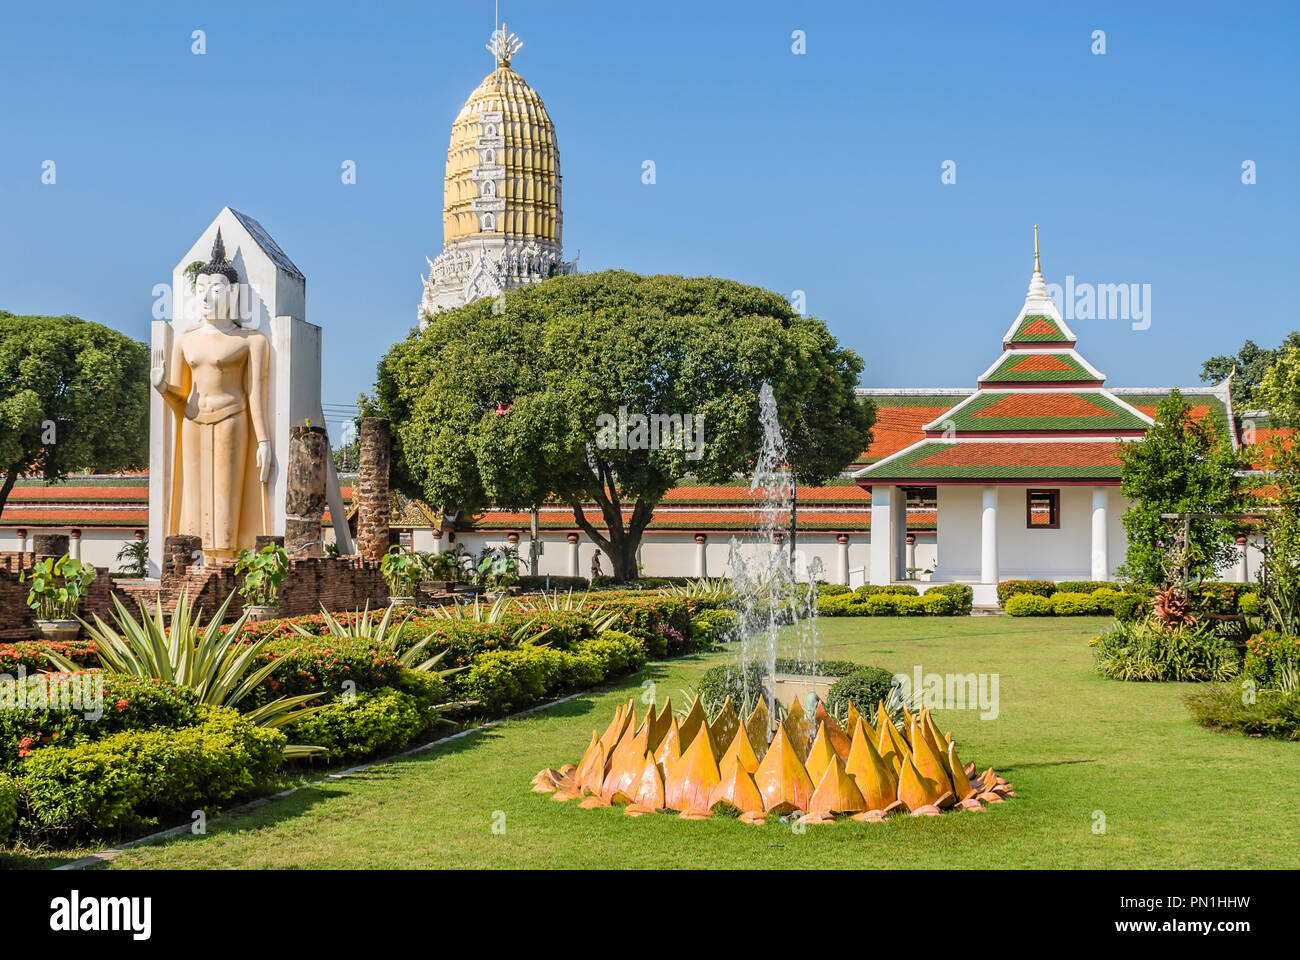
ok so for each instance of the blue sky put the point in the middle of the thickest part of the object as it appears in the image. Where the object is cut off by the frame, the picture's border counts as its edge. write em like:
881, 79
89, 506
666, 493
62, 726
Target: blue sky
818, 172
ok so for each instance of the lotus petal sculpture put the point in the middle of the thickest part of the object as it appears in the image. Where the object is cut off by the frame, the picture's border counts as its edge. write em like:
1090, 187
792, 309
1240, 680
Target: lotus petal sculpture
807, 767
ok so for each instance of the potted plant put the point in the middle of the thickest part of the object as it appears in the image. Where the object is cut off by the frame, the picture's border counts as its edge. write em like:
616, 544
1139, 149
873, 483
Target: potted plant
58, 587
402, 571
264, 570
499, 566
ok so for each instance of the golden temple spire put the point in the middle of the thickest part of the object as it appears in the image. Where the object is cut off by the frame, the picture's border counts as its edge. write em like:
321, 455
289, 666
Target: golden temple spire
503, 46
1037, 268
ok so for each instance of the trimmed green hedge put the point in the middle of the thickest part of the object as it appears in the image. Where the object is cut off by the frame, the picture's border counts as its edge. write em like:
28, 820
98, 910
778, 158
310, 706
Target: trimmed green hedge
1038, 588
865, 686
932, 603
129, 703
893, 589
128, 780
374, 721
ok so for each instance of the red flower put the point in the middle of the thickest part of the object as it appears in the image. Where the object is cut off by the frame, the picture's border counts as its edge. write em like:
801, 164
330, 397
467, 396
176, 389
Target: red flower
121, 704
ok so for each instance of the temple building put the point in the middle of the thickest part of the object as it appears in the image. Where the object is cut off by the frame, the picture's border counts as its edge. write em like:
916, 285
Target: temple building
502, 219
1015, 475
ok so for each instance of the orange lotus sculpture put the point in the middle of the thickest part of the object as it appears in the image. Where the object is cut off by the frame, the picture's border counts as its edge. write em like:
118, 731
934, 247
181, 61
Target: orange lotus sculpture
809, 767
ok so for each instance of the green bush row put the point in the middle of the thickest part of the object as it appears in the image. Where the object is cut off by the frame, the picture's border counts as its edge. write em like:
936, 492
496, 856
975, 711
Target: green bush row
1272, 714
502, 681
129, 779
8, 807
1103, 602
932, 603
129, 703
373, 722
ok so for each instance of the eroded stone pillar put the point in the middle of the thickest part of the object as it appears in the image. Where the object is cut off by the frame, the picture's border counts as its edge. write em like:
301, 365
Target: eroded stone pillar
50, 544
304, 498
373, 505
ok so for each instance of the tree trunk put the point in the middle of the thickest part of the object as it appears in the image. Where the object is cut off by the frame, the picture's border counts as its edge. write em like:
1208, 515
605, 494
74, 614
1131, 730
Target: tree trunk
7, 488
623, 558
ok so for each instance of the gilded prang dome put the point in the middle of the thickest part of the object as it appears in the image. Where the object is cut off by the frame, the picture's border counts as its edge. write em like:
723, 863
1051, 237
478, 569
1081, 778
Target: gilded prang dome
502, 222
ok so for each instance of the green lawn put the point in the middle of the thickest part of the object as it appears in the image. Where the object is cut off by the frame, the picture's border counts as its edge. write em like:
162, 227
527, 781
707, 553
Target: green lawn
1173, 794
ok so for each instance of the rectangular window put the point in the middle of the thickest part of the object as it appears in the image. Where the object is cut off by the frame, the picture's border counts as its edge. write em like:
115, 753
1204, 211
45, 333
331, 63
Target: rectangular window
1043, 509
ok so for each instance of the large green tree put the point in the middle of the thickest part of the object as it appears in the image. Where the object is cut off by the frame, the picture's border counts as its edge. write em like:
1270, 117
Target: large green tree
509, 402
1251, 363
1182, 465
73, 396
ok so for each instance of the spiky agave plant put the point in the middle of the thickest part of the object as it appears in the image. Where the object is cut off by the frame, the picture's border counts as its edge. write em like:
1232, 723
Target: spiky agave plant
215, 664
554, 603
384, 633
717, 589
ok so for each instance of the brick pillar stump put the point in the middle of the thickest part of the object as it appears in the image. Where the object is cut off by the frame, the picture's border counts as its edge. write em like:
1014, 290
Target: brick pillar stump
373, 505
304, 501
179, 552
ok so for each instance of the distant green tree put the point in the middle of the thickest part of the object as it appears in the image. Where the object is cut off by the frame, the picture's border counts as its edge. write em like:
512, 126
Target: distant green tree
508, 402
1252, 362
1182, 465
74, 395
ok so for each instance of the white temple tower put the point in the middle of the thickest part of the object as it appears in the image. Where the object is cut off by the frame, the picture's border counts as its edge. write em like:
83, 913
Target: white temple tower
502, 220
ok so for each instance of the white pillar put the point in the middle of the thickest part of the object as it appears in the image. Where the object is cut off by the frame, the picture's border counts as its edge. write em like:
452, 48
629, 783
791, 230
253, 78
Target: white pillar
74, 544
1100, 533
437, 541
988, 536
1243, 561
911, 556
701, 560
883, 536
843, 571
573, 554
22, 541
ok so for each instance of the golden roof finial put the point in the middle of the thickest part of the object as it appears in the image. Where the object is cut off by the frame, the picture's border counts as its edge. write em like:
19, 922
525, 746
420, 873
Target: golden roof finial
1037, 268
503, 46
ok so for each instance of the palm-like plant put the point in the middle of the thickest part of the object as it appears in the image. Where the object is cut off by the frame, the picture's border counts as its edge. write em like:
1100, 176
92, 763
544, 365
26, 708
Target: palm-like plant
718, 589
213, 663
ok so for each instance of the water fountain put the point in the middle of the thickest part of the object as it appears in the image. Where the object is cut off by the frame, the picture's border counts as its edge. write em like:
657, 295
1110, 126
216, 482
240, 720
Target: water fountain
779, 760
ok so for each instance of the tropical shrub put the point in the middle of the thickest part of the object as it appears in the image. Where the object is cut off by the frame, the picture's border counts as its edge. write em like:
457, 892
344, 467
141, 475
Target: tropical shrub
129, 779
1248, 604
31, 655
865, 686
128, 703
503, 680
1078, 605
373, 722
1028, 605
1087, 586
709, 627
1038, 588
209, 660
613, 653
563, 629
1220, 597
833, 589
1269, 655
962, 594
893, 589
8, 807
319, 667
1273, 713
1142, 650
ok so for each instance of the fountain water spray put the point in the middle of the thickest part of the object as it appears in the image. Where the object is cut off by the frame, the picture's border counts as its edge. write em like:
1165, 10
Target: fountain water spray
765, 575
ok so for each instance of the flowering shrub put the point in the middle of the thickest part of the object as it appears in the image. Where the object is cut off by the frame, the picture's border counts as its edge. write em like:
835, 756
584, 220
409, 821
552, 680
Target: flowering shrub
30, 654
1270, 653
128, 703
308, 666
567, 627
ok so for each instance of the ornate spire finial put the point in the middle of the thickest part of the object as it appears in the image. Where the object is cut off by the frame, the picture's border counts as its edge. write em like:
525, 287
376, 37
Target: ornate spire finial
1037, 269
503, 46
